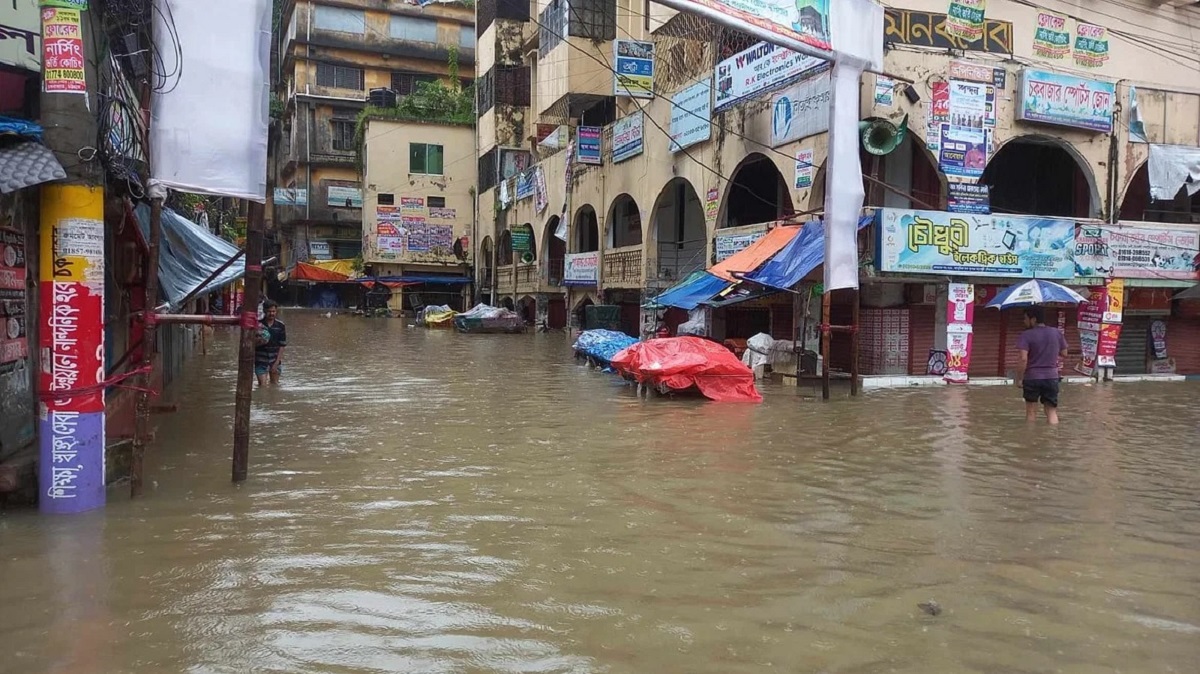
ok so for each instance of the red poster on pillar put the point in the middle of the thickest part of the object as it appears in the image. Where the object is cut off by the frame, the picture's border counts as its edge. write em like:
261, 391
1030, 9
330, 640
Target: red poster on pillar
960, 319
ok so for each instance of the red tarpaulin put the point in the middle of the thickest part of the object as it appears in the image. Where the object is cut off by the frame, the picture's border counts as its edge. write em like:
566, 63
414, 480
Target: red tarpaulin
682, 362
310, 272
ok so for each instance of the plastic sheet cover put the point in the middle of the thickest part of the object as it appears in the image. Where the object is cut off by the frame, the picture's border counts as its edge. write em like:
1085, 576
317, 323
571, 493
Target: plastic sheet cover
680, 363
209, 114
798, 259
187, 255
1173, 167
693, 291
602, 345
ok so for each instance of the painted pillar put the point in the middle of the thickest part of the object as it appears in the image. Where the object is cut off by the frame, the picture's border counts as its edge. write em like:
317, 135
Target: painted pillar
71, 315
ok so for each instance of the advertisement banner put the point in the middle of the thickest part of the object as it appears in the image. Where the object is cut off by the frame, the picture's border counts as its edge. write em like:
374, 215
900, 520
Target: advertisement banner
443, 214
522, 239
759, 69
801, 110
587, 145
1106, 346
62, 51
885, 91
412, 205
967, 198
728, 245
387, 213
936, 242
344, 197
633, 75
1158, 339
1114, 305
965, 19
541, 196
21, 35
290, 196
806, 21
581, 269
691, 116
319, 250
1090, 317
805, 168
960, 320
1091, 45
1065, 100
628, 137
711, 204
1137, 251
962, 153
14, 345
1051, 40
525, 185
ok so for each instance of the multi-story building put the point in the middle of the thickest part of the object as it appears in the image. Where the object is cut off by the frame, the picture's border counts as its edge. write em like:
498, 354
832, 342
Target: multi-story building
734, 136
332, 55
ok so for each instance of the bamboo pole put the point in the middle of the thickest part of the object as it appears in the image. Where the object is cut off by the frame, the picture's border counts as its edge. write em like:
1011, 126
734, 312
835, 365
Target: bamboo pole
854, 341
249, 322
141, 429
826, 335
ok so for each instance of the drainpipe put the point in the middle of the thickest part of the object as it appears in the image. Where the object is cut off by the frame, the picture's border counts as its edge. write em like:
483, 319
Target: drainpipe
308, 113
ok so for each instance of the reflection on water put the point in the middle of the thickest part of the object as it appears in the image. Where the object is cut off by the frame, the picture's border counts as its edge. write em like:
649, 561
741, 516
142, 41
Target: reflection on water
431, 502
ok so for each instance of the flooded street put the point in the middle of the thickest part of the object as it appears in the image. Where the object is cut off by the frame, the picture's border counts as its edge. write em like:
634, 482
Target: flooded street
423, 501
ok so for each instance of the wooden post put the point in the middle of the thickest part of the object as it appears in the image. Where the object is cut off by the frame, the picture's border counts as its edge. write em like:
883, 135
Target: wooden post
826, 334
854, 344
141, 428
249, 321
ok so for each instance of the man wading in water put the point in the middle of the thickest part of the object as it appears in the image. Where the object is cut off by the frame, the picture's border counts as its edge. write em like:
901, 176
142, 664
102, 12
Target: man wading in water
1041, 346
268, 355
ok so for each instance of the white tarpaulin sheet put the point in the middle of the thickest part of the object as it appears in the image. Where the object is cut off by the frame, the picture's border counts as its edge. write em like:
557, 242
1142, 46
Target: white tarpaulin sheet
187, 255
1173, 167
209, 116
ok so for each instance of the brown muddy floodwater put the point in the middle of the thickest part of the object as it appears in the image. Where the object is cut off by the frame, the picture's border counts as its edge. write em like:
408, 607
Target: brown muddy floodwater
432, 502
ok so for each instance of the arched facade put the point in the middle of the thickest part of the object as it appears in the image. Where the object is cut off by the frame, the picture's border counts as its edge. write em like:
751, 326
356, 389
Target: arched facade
504, 250
624, 223
585, 230
757, 192
1138, 205
554, 252
521, 253
1041, 175
678, 233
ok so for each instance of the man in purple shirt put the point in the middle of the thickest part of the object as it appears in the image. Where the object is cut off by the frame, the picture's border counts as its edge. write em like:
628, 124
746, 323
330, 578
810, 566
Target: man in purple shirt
1041, 346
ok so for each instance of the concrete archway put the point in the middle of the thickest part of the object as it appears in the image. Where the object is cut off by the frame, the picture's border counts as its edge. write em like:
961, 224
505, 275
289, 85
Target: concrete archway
677, 234
585, 230
504, 250
757, 192
1041, 175
554, 252
1138, 206
624, 223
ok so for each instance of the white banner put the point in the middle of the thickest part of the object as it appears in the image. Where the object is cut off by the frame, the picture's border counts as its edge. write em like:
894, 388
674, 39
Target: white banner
844, 192
759, 69
801, 110
581, 269
197, 144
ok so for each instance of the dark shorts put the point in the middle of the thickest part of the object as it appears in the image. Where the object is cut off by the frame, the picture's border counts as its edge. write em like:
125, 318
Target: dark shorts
262, 369
1044, 391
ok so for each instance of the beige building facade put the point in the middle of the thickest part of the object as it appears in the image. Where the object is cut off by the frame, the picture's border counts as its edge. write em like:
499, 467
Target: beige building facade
419, 206
655, 212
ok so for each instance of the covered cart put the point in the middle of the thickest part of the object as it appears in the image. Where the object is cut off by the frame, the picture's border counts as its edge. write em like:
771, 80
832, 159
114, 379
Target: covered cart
684, 364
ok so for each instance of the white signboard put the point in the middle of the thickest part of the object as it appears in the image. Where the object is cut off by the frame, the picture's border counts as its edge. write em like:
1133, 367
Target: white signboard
761, 68
728, 245
801, 110
344, 197
319, 250
21, 34
691, 115
628, 137
581, 269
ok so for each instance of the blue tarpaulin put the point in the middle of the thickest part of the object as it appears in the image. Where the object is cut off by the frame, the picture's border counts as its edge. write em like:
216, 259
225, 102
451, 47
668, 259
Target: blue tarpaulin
797, 259
188, 254
693, 291
602, 345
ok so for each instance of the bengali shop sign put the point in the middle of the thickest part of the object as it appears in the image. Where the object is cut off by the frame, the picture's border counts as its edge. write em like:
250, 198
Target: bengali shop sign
62, 51
628, 137
801, 110
806, 21
1066, 100
1138, 251
759, 69
581, 269
937, 242
634, 74
960, 320
691, 116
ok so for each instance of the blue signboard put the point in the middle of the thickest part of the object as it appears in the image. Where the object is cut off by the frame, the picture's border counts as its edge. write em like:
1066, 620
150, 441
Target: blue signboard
634, 73
587, 145
525, 184
960, 244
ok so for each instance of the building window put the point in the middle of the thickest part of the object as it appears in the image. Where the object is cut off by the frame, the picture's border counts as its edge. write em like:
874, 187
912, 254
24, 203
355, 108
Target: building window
552, 27
425, 159
435, 202
593, 19
340, 19
413, 29
387, 199
343, 135
405, 84
339, 77
466, 37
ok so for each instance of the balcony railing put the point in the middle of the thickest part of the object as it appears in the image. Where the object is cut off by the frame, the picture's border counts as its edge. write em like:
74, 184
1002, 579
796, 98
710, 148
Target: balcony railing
554, 271
623, 267
527, 278
504, 279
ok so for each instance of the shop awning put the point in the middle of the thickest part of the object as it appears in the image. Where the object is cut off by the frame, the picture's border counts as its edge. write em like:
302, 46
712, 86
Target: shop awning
304, 271
1192, 293
691, 292
1171, 168
25, 163
752, 257
345, 267
804, 253
188, 255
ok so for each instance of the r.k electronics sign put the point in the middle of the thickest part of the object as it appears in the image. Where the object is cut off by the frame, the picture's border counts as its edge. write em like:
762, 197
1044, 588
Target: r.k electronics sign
759, 69
960, 244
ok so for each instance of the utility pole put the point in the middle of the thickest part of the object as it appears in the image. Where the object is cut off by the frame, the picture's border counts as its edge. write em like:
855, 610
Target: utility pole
250, 328
71, 440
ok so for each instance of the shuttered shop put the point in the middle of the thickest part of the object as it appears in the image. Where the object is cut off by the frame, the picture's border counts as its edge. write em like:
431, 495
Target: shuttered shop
1133, 343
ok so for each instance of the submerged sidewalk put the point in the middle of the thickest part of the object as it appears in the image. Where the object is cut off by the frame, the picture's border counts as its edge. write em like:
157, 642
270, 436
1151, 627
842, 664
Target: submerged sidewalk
881, 382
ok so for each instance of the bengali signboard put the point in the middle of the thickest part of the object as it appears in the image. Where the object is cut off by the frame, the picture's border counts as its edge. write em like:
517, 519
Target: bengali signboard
691, 116
806, 21
1051, 39
1091, 45
1137, 251
801, 110
966, 19
62, 51
728, 245
759, 69
587, 145
628, 137
581, 269
633, 75
955, 244
344, 197
1065, 100
290, 196
1099, 323
320, 250
21, 34
928, 29
967, 198
960, 319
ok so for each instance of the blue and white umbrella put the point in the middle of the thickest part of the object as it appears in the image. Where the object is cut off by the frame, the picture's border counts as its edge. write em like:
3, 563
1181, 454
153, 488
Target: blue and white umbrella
1035, 292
